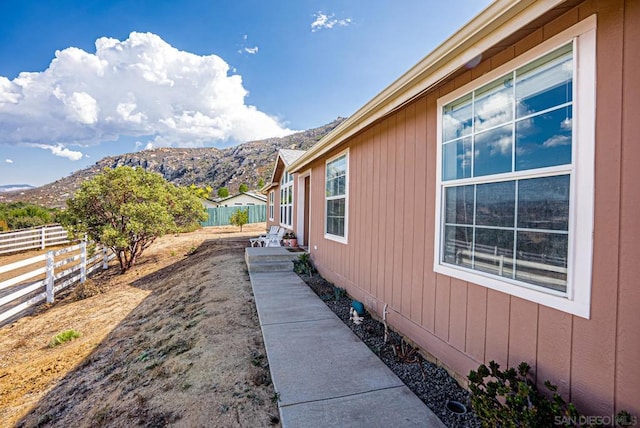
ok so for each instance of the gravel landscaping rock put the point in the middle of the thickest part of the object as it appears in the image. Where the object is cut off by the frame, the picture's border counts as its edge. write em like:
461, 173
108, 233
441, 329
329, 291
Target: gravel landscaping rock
432, 384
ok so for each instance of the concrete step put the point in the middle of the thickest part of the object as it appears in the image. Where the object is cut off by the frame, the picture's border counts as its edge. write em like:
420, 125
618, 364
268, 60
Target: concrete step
270, 266
270, 254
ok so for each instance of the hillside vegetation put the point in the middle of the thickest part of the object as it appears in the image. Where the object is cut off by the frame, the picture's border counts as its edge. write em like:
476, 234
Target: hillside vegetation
247, 163
21, 215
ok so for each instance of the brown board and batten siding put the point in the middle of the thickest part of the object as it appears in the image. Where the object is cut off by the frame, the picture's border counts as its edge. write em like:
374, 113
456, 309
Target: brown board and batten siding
391, 225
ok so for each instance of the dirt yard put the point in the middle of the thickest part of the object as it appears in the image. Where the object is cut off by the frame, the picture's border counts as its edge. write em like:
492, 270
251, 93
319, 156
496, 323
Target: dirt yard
175, 341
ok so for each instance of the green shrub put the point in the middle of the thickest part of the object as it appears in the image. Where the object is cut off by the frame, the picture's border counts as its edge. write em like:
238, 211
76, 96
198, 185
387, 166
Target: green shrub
304, 265
63, 337
21, 215
510, 399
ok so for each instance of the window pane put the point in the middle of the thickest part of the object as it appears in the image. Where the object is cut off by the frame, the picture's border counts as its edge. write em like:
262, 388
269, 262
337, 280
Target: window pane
544, 140
335, 216
457, 245
335, 207
545, 83
543, 203
541, 259
336, 186
493, 251
494, 104
495, 204
456, 118
456, 160
459, 205
493, 151
337, 167
335, 226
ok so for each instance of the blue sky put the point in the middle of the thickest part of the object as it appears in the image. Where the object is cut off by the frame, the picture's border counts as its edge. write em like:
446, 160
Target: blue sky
80, 80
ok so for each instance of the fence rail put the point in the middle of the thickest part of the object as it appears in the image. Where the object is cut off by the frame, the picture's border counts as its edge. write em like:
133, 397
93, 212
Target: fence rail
220, 216
18, 294
37, 237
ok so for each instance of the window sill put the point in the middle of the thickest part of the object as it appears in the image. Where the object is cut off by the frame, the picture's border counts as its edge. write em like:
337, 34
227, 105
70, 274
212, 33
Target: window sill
336, 238
579, 305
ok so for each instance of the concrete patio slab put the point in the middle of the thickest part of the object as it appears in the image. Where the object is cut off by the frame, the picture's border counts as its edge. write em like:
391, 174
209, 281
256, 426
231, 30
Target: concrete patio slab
277, 308
317, 360
395, 407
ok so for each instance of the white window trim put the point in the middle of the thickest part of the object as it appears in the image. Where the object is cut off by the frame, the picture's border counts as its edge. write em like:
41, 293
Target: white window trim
286, 187
272, 200
301, 198
341, 239
577, 299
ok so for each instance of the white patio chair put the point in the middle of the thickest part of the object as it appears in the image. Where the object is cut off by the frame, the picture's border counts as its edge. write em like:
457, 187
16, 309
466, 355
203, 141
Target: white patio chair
263, 239
274, 241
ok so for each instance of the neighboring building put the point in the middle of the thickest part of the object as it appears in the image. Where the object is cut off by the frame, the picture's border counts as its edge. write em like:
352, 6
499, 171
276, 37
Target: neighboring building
242, 199
210, 203
282, 192
488, 197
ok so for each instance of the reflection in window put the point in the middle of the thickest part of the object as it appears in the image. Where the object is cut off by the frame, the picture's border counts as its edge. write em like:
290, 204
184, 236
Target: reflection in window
509, 217
493, 104
493, 149
456, 119
480, 231
483, 123
544, 140
545, 83
457, 159
495, 203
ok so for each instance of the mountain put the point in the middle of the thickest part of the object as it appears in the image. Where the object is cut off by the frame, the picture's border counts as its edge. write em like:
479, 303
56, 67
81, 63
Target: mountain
14, 187
245, 163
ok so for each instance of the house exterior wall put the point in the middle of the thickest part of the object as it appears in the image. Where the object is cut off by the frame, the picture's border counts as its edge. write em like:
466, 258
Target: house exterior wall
241, 200
389, 255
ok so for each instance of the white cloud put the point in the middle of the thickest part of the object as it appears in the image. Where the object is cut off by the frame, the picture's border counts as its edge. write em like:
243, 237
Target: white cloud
322, 20
557, 140
8, 160
59, 150
140, 87
246, 49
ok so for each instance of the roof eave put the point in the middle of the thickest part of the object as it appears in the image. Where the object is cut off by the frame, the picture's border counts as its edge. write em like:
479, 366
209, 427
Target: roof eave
499, 19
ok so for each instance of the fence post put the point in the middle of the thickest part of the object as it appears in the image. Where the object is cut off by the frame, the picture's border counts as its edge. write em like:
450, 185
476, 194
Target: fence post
50, 275
83, 261
43, 235
105, 258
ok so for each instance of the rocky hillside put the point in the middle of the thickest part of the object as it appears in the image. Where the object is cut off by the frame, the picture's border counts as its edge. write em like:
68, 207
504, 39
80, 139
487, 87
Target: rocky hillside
245, 163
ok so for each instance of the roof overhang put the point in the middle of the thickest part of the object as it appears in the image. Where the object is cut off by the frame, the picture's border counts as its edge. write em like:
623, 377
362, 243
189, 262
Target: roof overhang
497, 22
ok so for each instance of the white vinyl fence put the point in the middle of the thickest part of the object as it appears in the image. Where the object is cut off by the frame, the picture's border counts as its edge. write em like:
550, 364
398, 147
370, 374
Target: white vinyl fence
53, 273
37, 237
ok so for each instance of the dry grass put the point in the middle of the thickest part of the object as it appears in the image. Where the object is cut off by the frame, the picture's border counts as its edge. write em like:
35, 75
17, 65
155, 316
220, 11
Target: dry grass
174, 341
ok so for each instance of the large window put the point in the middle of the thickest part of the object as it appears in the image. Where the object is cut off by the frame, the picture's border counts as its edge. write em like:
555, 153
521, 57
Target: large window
286, 199
271, 204
512, 161
336, 185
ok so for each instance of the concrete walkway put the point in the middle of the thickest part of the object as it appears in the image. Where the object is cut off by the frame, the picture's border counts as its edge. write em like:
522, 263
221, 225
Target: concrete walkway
324, 374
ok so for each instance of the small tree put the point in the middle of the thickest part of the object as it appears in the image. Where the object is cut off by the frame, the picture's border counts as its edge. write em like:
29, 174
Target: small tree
260, 183
127, 208
223, 192
239, 218
243, 188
